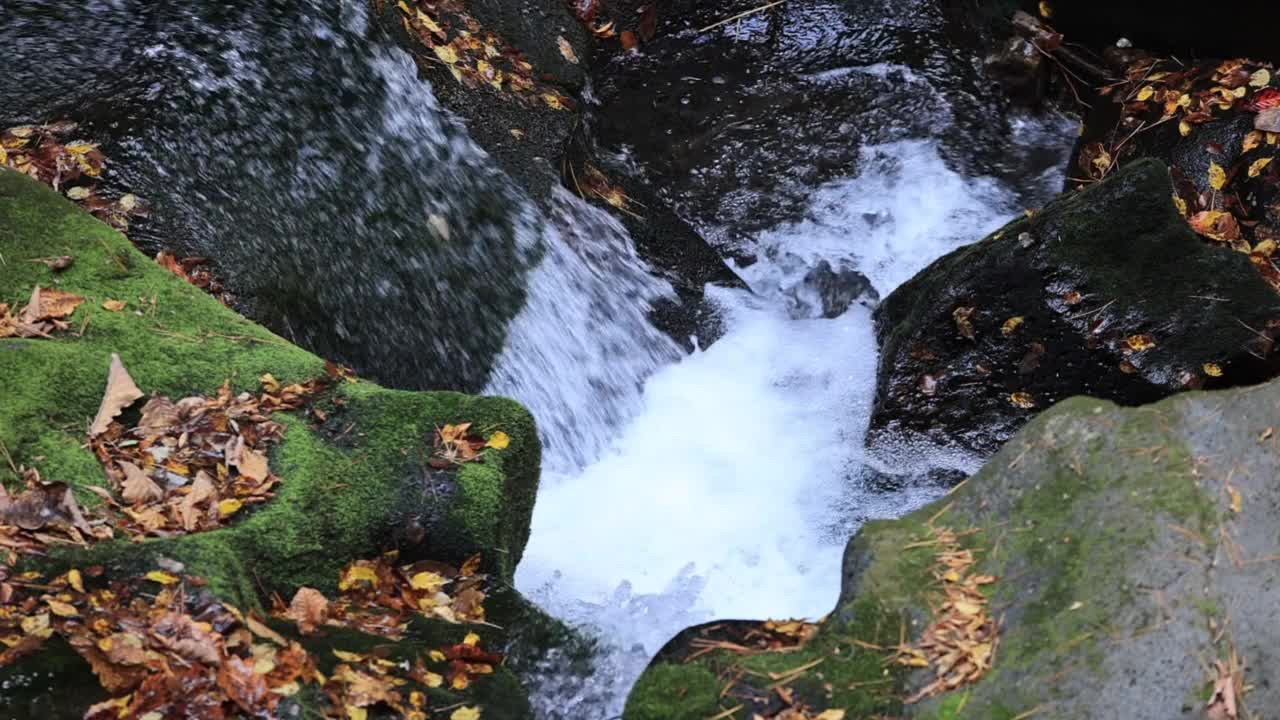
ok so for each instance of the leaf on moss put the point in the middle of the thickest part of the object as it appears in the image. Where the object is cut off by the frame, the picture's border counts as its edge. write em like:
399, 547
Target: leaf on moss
121, 392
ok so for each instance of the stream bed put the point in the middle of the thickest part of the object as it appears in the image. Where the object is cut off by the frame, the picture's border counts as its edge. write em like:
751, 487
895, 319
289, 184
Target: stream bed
677, 488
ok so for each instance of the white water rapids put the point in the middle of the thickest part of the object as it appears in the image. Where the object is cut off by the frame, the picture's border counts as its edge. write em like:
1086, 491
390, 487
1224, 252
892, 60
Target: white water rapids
722, 484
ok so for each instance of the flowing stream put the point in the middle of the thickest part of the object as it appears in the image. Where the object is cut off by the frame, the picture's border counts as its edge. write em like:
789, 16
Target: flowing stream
731, 480
677, 488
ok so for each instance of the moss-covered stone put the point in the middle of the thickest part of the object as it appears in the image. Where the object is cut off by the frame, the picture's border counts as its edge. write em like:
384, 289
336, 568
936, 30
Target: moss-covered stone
1119, 557
351, 488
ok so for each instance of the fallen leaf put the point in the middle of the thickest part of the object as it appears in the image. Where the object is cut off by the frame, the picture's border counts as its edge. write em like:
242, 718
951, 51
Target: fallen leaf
162, 577
1260, 78
114, 305
1217, 176
567, 50
1011, 325
465, 713
1139, 343
1237, 500
121, 393
138, 488
446, 53
1268, 120
229, 507
1023, 400
78, 192
309, 609
1213, 369
1257, 166
498, 441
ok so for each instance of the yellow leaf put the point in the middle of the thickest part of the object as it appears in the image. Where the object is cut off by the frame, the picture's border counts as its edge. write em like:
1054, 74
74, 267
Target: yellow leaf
1146, 93
1046, 12
471, 639
1011, 325
78, 193
1266, 248
446, 53
465, 713
162, 577
1138, 343
1184, 128
498, 441
345, 656
1257, 166
437, 656
1260, 78
80, 148
432, 680
4, 156
75, 579
964, 607
460, 682
404, 7
1217, 176
229, 507
357, 713
21, 131
1252, 140
1181, 205
1213, 369
1022, 400
553, 101
62, 609
356, 574
426, 581
1237, 502
952, 576
1239, 92
429, 22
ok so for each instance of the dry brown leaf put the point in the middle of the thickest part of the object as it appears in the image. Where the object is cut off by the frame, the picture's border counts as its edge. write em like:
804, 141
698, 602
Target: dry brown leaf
138, 489
309, 609
121, 393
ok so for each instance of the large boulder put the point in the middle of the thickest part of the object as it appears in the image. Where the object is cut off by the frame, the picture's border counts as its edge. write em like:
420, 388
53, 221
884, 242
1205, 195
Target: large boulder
355, 477
1121, 563
1105, 291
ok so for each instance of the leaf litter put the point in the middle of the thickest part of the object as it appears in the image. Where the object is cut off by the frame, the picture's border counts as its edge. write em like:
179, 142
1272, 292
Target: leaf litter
959, 646
160, 644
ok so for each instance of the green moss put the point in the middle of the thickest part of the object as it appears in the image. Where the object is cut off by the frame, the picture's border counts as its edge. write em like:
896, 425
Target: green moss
674, 692
349, 489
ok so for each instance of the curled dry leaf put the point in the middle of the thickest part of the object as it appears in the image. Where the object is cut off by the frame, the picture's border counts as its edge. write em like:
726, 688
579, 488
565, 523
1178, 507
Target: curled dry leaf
114, 305
121, 393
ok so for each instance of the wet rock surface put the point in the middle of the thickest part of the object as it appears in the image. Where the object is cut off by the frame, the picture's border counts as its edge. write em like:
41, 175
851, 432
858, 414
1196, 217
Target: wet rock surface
756, 112
1105, 292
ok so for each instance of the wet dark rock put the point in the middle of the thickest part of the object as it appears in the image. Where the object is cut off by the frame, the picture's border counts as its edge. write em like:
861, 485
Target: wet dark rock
550, 149
756, 113
1104, 292
1020, 69
836, 291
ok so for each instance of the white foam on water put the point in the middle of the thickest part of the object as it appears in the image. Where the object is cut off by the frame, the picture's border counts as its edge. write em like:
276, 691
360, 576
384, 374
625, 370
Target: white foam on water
732, 489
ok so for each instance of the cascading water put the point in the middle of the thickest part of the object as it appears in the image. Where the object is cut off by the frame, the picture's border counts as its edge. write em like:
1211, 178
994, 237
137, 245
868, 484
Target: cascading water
732, 489
676, 489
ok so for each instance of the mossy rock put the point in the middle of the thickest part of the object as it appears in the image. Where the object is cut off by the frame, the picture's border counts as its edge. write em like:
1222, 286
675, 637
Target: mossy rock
351, 488
1104, 292
1133, 547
